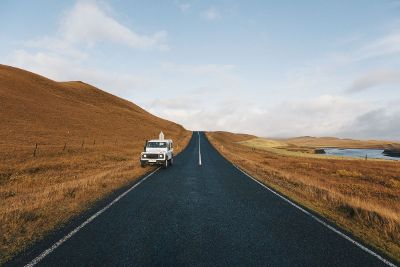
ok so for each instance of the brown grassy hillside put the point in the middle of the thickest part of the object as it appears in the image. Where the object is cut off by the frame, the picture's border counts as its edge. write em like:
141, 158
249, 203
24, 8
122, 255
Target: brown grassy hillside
362, 196
234, 137
88, 144
35, 109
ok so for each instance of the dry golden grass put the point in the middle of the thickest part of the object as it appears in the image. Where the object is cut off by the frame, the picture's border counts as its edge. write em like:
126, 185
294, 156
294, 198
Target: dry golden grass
306, 146
314, 142
361, 196
285, 149
38, 194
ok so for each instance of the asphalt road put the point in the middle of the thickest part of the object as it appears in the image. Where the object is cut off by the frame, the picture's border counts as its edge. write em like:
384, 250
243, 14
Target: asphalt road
211, 214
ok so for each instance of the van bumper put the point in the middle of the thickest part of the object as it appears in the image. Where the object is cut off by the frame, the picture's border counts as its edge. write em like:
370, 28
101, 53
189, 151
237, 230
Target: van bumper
152, 162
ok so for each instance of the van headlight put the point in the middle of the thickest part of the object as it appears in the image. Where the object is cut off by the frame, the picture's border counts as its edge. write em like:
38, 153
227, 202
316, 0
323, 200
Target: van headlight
144, 156
161, 156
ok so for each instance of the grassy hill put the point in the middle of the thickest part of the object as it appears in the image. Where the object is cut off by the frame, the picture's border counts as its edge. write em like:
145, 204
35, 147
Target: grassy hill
64, 145
38, 110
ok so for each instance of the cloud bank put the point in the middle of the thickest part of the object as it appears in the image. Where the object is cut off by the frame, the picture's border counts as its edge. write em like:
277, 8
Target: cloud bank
88, 24
66, 55
335, 95
375, 78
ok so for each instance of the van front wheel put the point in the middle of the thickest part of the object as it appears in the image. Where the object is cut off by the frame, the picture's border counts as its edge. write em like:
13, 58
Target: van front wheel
165, 164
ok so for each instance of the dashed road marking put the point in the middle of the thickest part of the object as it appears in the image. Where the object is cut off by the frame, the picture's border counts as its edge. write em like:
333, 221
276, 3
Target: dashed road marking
198, 133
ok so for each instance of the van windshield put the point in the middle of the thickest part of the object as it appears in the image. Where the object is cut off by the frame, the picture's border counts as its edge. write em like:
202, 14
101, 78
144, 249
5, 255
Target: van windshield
157, 144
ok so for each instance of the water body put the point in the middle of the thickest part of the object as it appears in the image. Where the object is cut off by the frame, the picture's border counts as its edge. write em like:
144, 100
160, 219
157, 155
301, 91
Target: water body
358, 153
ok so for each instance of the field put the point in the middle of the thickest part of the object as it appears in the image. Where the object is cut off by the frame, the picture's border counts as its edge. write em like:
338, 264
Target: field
63, 146
316, 142
307, 146
361, 196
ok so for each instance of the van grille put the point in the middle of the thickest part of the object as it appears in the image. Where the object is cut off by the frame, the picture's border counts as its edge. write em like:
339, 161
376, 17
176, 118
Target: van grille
152, 156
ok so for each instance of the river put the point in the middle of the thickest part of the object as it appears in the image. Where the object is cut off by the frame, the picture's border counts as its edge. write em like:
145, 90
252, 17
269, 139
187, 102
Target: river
358, 153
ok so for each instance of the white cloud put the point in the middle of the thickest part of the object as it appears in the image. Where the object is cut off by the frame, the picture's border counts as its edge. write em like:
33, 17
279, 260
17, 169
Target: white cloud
316, 104
49, 64
198, 69
87, 23
56, 45
182, 103
322, 115
384, 46
383, 123
60, 68
214, 77
375, 78
211, 14
65, 55
225, 101
184, 7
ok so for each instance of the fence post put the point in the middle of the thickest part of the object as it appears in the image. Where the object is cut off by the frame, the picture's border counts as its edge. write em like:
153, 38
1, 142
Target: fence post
94, 141
34, 151
65, 146
83, 143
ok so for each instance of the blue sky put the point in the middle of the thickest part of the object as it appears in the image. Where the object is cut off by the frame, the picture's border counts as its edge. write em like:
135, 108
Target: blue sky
287, 68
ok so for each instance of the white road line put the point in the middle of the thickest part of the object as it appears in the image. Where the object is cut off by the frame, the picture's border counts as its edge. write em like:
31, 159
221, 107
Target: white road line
319, 220
73, 232
199, 149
